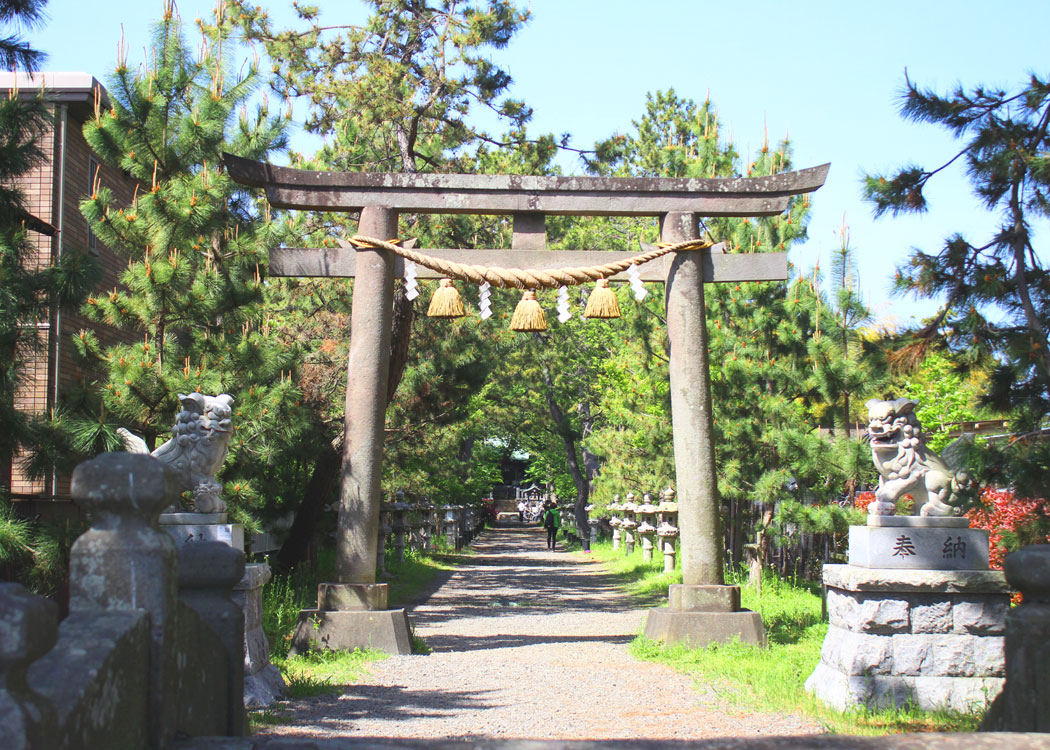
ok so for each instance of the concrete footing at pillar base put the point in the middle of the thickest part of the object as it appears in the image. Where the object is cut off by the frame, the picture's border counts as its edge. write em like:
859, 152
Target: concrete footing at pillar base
384, 630
349, 616
700, 615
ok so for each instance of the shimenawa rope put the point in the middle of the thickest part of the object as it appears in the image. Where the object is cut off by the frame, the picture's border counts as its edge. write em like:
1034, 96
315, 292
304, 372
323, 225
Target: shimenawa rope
524, 278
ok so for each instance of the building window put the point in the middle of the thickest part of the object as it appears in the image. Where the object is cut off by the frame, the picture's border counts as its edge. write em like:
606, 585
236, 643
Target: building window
94, 177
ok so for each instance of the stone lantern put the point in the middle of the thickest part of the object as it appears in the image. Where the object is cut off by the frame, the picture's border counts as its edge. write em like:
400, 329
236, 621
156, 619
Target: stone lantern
667, 526
428, 519
450, 525
646, 530
628, 524
400, 527
614, 521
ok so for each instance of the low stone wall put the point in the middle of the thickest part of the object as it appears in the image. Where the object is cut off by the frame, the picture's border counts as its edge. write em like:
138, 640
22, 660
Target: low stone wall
933, 638
99, 658
153, 647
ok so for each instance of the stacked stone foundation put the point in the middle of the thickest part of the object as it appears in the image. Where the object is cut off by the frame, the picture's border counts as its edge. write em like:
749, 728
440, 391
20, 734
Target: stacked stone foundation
930, 638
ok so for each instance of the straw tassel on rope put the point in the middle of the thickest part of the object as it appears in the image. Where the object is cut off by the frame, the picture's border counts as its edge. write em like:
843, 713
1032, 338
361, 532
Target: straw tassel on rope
446, 302
528, 315
602, 303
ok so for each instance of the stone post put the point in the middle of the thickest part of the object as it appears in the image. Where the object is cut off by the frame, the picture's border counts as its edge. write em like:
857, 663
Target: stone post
208, 571
426, 510
458, 523
124, 562
694, 447
701, 609
450, 526
263, 683
1023, 705
415, 528
614, 522
28, 630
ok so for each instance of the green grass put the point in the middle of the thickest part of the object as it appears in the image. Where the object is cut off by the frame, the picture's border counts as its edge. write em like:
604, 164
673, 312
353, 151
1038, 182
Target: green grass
644, 581
771, 678
320, 672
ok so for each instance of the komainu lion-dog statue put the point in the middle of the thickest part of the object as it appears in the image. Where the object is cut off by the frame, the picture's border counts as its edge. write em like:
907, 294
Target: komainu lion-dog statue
937, 484
198, 445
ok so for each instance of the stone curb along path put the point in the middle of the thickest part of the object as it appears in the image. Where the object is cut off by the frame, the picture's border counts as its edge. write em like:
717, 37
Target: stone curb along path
527, 644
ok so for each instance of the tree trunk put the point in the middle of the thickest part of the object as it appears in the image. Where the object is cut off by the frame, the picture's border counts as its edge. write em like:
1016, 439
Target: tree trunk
568, 439
762, 548
318, 490
400, 338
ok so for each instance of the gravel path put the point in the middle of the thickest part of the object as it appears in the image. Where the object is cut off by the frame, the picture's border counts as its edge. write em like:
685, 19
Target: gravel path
527, 644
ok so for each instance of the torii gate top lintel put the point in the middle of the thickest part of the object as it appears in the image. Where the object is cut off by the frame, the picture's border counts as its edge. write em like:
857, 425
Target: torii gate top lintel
288, 187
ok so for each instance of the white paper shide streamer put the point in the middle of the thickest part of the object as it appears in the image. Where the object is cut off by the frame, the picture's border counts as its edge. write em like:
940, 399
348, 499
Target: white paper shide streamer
484, 304
640, 292
563, 304
411, 288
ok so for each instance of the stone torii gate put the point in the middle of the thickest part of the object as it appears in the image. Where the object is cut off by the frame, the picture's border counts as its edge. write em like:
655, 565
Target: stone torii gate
353, 610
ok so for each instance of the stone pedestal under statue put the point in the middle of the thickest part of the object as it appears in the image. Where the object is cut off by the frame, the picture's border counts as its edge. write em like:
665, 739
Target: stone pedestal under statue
915, 617
700, 615
263, 683
349, 616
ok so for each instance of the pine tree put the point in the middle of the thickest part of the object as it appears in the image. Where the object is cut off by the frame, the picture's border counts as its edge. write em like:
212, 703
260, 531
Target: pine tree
398, 92
15, 52
995, 295
193, 300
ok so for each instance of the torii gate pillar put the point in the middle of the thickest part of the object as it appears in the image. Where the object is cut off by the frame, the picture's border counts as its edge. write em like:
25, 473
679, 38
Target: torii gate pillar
701, 609
352, 612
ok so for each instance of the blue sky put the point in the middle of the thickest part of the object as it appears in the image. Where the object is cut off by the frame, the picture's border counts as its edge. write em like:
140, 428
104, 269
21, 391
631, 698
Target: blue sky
826, 73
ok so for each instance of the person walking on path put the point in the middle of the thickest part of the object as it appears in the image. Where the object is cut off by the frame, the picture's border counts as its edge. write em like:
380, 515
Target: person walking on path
521, 511
551, 522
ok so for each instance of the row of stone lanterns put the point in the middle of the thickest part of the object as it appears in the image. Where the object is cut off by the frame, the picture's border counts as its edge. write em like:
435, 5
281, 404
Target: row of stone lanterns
413, 526
647, 522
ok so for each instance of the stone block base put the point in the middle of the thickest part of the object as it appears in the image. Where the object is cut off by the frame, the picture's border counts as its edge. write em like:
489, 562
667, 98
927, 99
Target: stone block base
932, 638
383, 630
690, 598
701, 628
339, 597
842, 691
